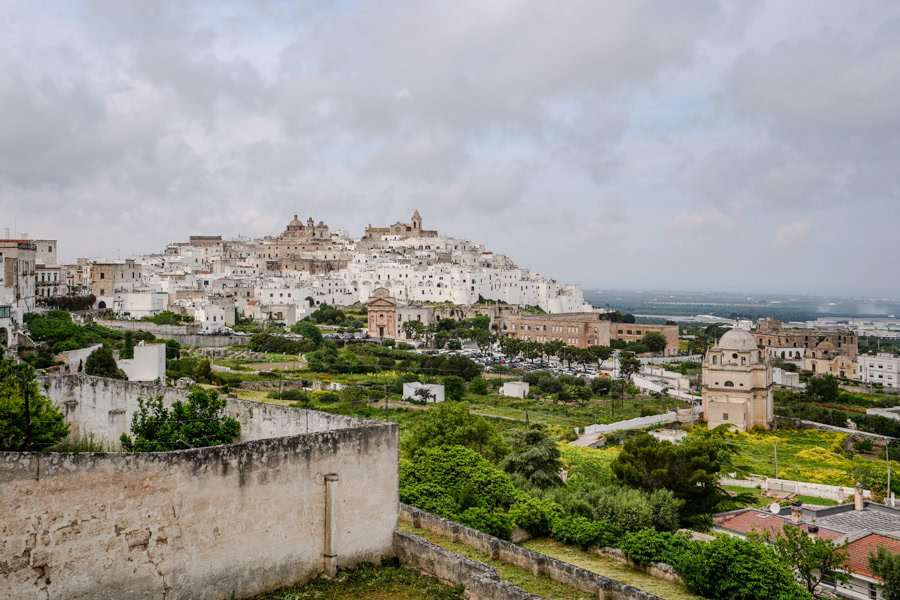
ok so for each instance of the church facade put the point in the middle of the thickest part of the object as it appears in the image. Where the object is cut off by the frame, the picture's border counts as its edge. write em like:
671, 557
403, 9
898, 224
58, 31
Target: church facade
737, 383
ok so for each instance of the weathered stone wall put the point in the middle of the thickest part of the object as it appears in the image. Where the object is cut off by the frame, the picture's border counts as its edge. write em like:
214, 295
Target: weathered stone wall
208, 523
104, 407
480, 581
537, 563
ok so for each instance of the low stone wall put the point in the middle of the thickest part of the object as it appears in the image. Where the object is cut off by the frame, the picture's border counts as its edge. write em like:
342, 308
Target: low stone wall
148, 326
803, 424
537, 563
480, 581
104, 407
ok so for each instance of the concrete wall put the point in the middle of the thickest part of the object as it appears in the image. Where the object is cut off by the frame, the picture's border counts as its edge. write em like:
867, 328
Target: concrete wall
208, 523
104, 407
436, 389
804, 424
802, 488
423, 558
148, 364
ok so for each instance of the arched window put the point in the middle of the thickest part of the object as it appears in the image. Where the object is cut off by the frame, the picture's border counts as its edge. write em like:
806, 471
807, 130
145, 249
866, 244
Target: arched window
714, 361
743, 360
729, 384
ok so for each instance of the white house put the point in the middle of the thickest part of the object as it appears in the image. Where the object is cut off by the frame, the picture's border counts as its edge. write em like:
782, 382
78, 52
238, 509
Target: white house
148, 364
140, 304
883, 368
210, 317
514, 389
436, 390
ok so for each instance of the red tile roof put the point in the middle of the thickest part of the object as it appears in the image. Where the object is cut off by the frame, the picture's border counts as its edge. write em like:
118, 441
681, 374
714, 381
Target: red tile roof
756, 520
859, 551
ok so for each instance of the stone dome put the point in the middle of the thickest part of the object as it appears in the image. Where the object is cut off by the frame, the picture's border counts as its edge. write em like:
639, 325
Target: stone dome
737, 339
826, 345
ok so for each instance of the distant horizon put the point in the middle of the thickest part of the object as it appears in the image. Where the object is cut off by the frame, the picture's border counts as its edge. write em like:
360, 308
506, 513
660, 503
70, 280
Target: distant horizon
601, 289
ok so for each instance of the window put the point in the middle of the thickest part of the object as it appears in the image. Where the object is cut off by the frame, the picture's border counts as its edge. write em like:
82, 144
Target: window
734, 355
729, 384
724, 416
714, 361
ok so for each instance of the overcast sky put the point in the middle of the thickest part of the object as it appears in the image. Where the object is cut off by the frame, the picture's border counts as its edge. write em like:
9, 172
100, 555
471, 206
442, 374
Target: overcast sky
743, 146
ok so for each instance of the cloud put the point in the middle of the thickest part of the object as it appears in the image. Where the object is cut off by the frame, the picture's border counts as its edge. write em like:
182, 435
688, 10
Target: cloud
550, 132
790, 234
707, 220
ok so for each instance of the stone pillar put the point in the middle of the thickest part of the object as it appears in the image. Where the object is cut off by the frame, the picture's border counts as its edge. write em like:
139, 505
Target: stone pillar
331, 528
796, 512
858, 499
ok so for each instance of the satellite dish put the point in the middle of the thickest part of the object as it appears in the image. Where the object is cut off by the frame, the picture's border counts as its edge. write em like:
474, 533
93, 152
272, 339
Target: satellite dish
775, 508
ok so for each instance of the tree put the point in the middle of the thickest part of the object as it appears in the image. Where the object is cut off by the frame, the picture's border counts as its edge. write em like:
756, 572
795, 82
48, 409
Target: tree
599, 353
454, 388
690, 470
483, 338
510, 346
413, 329
534, 455
128, 345
423, 395
451, 423
454, 344
308, 331
102, 364
628, 318
655, 341
198, 423
814, 559
533, 350
886, 565
628, 366
823, 389
46, 422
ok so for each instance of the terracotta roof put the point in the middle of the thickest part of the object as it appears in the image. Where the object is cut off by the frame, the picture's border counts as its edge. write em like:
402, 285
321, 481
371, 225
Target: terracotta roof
859, 551
757, 520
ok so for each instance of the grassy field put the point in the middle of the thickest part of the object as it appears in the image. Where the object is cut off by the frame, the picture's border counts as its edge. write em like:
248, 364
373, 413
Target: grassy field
612, 569
548, 413
805, 455
764, 501
370, 582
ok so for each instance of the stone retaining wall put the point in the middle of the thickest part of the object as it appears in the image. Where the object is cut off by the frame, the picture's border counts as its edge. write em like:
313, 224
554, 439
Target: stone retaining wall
480, 581
537, 563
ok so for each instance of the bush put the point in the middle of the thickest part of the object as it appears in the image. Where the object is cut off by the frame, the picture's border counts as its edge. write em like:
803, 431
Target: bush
863, 445
454, 388
101, 363
646, 546
479, 385
197, 423
493, 522
535, 515
734, 569
582, 532
454, 344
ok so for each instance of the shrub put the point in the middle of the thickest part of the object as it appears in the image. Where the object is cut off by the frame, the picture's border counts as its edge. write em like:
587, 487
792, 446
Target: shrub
102, 364
733, 569
324, 396
534, 515
454, 387
646, 546
863, 445
479, 385
493, 522
583, 532
197, 423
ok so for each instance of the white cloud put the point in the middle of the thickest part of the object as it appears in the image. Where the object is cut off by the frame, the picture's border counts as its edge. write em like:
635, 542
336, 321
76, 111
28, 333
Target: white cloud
706, 220
791, 234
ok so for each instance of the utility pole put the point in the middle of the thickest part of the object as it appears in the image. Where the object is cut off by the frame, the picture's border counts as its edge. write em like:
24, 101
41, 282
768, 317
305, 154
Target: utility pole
887, 457
775, 444
385, 402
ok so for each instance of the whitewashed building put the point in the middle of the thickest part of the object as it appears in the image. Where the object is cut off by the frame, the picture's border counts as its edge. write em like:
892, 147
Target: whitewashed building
883, 368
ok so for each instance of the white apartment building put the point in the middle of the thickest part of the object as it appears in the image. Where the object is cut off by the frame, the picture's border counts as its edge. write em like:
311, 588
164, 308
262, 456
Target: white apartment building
139, 304
883, 368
